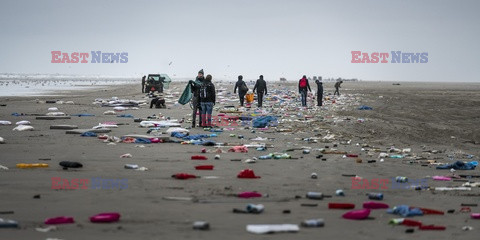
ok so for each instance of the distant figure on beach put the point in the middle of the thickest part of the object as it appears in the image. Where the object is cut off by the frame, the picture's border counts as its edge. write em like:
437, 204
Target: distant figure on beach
207, 100
143, 83
261, 87
195, 86
303, 87
242, 89
158, 101
319, 91
337, 86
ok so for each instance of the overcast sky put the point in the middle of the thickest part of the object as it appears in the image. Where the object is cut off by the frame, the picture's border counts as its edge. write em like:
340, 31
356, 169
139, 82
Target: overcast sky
250, 37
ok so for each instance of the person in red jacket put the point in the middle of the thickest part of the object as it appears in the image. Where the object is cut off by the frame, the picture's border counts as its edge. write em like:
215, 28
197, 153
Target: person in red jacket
303, 86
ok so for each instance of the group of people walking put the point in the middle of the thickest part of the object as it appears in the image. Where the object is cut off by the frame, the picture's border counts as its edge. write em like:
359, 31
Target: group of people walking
303, 88
204, 94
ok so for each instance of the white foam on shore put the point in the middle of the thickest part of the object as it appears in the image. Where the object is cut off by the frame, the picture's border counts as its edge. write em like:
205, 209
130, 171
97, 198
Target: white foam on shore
42, 85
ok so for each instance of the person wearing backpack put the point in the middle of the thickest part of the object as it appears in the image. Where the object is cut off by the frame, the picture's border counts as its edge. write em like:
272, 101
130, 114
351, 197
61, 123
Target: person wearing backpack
207, 100
195, 87
261, 87
319, 91
242, 89
303, 86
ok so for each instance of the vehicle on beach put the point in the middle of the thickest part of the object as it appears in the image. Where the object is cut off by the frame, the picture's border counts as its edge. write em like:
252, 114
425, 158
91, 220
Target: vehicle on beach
157, 82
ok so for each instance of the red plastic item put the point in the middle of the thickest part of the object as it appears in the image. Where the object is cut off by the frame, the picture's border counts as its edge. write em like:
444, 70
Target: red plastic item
357, 214
105, 218
432, 227
103, 137
199, 157
249, 195
352, 155
465, 209
183, 176
156, 140
204, 150
247, 173
341, 205
427, 211
59, 220
375, 205
204, 167
411, 223
475, 215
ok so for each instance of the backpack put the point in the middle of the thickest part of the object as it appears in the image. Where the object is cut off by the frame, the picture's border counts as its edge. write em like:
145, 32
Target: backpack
244, 87
204, 91
303, 83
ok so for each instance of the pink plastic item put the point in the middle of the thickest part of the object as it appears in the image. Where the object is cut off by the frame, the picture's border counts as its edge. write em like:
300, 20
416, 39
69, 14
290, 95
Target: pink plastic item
156, 140
357, 214
475, 215
249, 195
441, 178
59, 220
105, 218
238, 149
374, 205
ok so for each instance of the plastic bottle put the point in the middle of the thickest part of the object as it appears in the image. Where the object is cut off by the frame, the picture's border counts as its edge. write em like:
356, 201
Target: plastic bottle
375, 196
255, 208
265, 157
201, 225
6, 223
401, 179
32, 165
313, 223
315, 195
131, 166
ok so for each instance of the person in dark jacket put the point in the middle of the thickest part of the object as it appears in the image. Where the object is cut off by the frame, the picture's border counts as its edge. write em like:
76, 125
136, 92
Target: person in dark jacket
337, 86
242, 89
207, 100
261, 87
195, 87
319, 91
143, 83
303, 87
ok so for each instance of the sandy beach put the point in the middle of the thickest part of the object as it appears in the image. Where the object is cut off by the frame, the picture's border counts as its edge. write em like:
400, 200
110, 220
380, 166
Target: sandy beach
436, 121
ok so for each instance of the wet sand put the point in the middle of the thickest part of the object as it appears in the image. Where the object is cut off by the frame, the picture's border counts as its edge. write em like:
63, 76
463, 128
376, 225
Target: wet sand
423, 117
